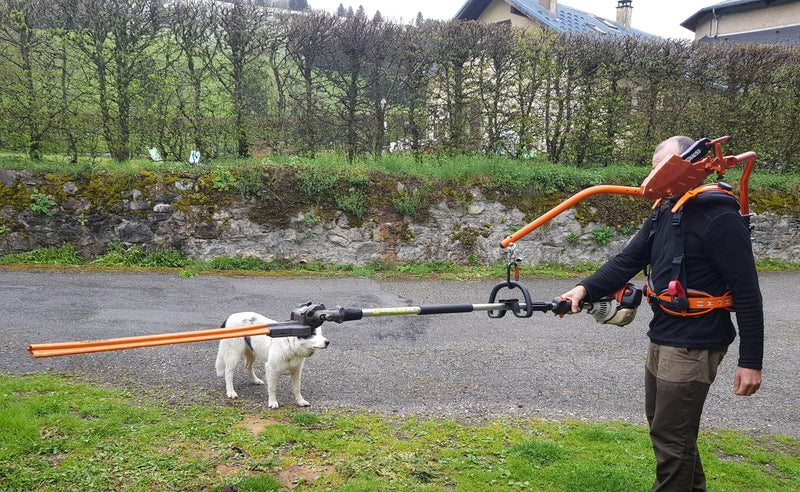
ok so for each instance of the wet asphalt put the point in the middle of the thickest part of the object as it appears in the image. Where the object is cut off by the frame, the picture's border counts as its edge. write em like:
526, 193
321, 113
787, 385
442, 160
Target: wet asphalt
464, 366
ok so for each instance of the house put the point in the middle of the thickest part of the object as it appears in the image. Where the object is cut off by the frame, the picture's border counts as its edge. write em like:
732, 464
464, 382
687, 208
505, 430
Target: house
549, 14
748, 21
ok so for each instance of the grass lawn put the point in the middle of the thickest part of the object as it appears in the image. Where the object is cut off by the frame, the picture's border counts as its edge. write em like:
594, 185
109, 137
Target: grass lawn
62, 433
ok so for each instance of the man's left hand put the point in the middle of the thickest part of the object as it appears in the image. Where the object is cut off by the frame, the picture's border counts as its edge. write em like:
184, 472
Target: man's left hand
746, 381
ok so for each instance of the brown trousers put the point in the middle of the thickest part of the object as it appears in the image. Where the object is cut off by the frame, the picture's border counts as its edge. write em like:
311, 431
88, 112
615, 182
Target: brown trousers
676, 385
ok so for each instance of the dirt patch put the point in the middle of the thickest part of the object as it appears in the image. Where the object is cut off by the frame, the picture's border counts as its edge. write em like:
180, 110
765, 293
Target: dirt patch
728, 458
227, 470
56, 459
257, 424
295, 474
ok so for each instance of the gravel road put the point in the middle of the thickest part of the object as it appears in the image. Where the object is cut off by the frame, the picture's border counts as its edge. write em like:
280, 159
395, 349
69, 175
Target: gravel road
452, 365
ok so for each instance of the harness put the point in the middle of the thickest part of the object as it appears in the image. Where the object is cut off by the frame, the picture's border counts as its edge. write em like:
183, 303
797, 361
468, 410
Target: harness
676, 299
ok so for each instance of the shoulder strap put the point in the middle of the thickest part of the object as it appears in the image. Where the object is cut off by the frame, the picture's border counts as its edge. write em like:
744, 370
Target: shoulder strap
678, 272
721, 187
650, 236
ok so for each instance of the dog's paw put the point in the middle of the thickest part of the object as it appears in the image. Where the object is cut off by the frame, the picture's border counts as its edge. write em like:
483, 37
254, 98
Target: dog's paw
233, 394
258, 381
303, 403
273, 404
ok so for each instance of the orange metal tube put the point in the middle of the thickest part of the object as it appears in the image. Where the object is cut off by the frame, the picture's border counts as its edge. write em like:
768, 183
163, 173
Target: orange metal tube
72, 348
568, 203
744, 183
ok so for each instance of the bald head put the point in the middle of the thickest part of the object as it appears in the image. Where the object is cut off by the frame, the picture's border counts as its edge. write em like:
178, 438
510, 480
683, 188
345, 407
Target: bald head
676, 145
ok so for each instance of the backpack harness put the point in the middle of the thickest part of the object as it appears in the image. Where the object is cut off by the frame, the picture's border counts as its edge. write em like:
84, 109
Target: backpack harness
677, 300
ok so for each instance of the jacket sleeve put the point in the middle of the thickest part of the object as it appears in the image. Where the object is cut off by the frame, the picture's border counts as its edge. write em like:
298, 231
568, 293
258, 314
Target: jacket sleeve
734, 260
619, 270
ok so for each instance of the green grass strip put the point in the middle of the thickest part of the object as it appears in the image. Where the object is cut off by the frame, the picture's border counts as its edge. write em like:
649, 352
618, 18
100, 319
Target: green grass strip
60, 433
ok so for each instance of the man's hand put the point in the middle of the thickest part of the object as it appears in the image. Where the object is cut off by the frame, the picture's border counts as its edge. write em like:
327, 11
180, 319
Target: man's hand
746, 381
574, 296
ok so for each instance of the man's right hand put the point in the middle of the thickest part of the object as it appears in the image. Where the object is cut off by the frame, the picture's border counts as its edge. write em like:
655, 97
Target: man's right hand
574, 296
746, 381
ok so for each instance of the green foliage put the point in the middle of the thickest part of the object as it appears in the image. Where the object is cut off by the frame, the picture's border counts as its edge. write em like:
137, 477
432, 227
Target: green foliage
118, 256
354, 203
369, 269
603, 235
317, 184
42, 203
164, 259
410, 204
573, 238
223, 180
166, 92
629, 229
261, 483
541, 452
413, 203
62, 255
770, 264
429, 267
310, 220
249, 181
238, 263
249, 263
305, 418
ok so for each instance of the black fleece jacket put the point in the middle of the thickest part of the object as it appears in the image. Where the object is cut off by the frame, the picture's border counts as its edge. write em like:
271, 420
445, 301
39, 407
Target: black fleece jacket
718, 258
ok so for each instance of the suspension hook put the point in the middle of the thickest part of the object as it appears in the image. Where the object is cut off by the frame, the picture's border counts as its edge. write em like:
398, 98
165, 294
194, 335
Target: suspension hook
513, 304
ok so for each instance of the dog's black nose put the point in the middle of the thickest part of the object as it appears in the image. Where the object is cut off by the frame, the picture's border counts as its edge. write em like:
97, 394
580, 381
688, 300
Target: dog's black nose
327, 342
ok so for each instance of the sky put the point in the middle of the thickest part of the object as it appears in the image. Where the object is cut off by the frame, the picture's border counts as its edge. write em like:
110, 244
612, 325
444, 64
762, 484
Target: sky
660, 17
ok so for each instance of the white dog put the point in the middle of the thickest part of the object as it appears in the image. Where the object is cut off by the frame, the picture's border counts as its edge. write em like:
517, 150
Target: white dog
279, 354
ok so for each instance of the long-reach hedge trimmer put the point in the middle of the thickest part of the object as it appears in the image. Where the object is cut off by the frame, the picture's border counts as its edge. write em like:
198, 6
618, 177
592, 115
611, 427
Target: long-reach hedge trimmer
675, 176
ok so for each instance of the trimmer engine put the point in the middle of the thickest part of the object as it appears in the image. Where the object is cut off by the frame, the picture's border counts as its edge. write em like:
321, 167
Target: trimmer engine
618, 308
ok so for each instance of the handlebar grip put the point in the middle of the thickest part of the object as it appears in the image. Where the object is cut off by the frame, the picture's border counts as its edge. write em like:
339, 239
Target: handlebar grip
561, 306
352, 314
745, 157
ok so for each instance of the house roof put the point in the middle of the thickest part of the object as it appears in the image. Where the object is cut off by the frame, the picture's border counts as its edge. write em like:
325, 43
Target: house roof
783, 35
567, 19
728, 7
789, 34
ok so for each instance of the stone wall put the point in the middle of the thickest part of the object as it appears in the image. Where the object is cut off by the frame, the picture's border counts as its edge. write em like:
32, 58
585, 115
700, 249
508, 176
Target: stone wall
160, 218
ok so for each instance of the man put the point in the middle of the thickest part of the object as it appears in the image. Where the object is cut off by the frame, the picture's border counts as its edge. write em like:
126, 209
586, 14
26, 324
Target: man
685, 347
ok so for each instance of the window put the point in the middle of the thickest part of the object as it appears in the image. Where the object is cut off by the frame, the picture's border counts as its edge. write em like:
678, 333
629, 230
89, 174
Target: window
608, 23
592, 26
